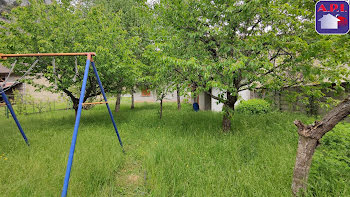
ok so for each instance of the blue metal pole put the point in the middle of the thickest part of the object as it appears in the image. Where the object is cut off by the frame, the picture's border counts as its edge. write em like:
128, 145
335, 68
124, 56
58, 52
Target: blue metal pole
9, 106
75, 132
109, 109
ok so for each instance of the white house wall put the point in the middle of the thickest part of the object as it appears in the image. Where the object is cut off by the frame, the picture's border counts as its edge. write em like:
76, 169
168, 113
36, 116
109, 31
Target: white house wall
170, 97
215, 106
243, 95
204, 101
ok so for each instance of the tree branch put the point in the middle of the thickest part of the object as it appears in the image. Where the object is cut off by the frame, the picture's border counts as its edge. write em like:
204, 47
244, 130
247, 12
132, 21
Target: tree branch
332, 118
217, 98
70, 94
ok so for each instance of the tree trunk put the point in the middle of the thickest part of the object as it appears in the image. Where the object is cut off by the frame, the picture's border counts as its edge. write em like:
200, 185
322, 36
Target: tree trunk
76, 112
226, 121
75, 107
117, 103
306, 149
229, 107
280, 101
309, 136
161, 109
132, 100
178, 98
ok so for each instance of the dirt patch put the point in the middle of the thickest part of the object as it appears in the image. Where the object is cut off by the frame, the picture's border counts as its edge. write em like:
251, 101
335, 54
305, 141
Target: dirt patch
133, 179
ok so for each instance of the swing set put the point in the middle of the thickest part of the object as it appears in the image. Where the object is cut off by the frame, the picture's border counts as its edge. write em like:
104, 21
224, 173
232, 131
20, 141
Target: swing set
89, 61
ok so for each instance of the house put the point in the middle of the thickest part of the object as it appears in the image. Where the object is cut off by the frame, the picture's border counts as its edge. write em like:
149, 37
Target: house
205, 101
146, 95
25, 89
329, 22
3, 75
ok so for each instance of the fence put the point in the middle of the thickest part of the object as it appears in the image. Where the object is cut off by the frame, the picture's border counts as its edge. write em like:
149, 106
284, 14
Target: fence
26, 108
293, 99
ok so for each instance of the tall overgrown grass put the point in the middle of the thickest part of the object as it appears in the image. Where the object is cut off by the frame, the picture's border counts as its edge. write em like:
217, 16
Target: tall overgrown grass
184, 154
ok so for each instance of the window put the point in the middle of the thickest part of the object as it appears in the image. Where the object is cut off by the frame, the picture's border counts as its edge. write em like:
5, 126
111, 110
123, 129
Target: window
145, 92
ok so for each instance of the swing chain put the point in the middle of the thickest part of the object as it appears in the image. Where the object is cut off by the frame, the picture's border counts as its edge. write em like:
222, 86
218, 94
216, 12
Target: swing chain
25, 74
54, 70
9, 74
76, 69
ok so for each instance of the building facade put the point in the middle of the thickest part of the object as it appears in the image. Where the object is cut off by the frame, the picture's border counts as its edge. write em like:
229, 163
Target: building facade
205, 101
25, 89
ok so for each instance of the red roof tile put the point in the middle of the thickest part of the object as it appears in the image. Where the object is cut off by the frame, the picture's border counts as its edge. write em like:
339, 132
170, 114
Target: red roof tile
8, 84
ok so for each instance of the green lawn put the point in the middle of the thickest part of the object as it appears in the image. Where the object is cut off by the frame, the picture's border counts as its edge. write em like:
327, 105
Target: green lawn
184, 154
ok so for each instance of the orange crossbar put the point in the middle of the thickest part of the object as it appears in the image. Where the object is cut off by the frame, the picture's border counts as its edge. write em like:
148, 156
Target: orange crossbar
88, 54
95, 103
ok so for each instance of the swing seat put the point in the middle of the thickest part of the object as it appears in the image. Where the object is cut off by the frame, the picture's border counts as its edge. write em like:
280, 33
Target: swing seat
95, 103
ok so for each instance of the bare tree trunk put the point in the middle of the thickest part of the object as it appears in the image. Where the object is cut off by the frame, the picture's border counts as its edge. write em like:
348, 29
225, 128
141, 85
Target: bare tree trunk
74, 100
75, 107
226, 121
309, 136
279, 101
76, 112
306, 149
132, 100
117, 103
161, 109
178, 98
228, 108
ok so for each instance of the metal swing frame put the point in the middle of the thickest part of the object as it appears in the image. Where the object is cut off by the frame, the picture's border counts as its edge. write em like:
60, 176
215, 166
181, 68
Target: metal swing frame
89, 61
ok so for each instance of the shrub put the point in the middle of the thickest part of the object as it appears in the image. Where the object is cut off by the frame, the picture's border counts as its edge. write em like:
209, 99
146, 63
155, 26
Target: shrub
253, 106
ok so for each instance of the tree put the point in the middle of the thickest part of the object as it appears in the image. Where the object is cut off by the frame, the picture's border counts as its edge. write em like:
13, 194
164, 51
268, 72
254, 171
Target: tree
241, 45
336, 60
62, 27
161, 66
157, 75
309, 137
136, 21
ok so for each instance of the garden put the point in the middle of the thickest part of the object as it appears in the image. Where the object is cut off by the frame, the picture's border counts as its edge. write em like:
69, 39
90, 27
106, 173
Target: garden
183, 154
260, 100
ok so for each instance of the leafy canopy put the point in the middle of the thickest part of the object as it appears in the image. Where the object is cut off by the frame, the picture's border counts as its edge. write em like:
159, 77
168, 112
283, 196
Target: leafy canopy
64, 27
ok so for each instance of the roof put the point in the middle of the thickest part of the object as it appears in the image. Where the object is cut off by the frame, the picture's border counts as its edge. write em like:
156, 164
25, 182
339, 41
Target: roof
328, 17
4, 70
8, 84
